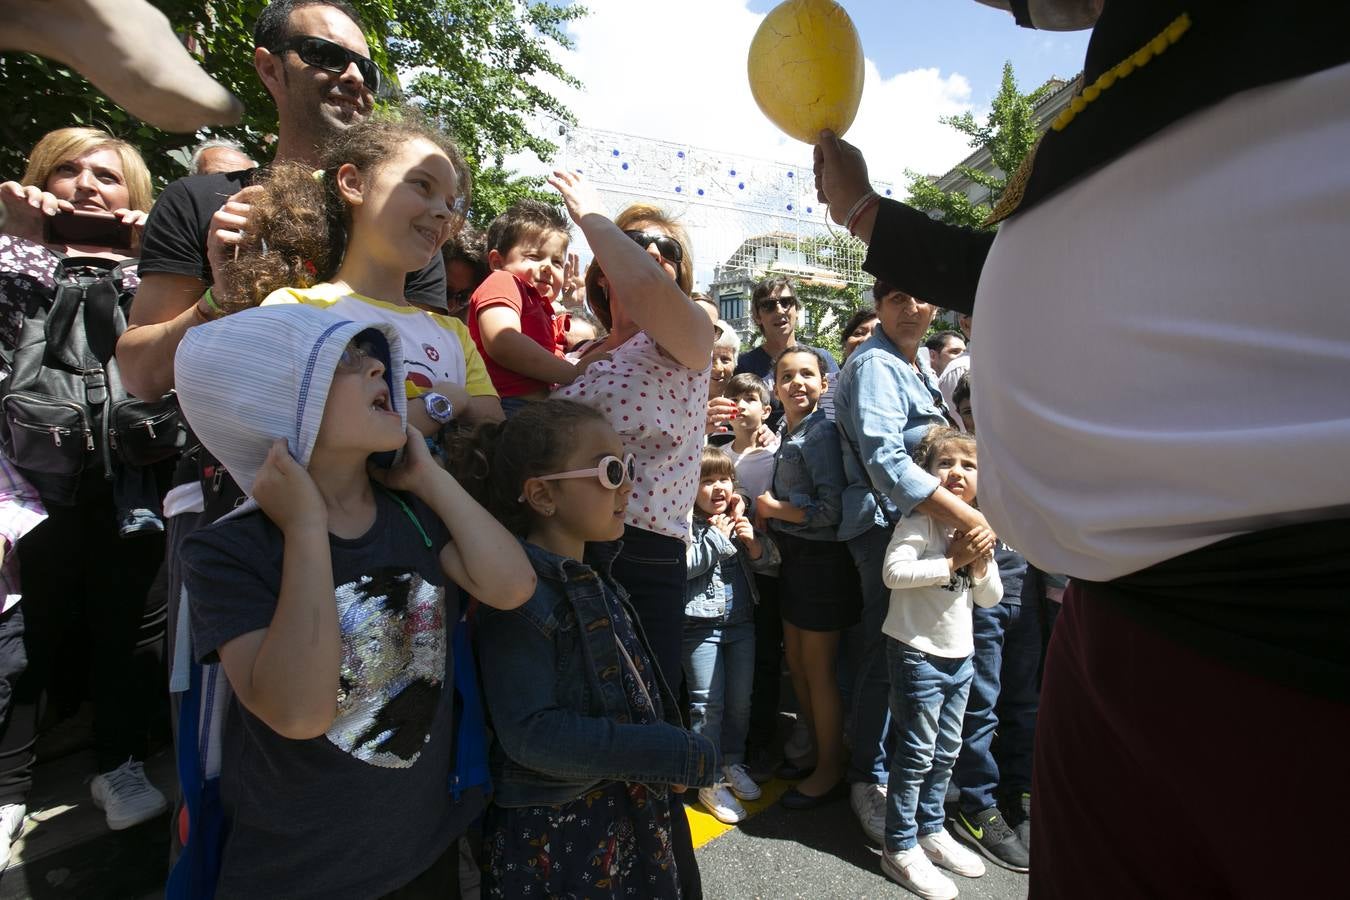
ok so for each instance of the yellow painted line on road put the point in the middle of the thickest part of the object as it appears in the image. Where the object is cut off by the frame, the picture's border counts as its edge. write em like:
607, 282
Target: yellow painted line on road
706, 829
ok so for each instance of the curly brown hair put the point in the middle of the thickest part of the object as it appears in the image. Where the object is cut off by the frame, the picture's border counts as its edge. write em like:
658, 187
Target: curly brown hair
297, 233
493, 460
939, 438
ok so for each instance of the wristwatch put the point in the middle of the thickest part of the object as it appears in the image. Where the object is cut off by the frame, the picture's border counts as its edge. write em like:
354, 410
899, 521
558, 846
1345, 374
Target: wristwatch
439, 407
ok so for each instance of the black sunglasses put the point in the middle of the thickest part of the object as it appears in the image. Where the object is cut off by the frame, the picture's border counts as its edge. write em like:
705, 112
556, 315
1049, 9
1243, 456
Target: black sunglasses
769, 304
668, 247
331, 57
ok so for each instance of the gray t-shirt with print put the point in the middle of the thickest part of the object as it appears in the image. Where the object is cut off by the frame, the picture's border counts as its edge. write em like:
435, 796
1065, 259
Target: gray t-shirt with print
365, 808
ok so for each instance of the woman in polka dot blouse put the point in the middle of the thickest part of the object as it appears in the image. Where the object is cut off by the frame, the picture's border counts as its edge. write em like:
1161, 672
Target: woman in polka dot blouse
653, 389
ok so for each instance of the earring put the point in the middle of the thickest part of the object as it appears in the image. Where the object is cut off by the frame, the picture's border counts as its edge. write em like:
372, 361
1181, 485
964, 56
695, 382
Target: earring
549, 511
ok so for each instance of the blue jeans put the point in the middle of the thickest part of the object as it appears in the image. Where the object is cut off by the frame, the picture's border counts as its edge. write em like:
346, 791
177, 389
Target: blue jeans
719, 668
869, 716
928, 701
1004, 695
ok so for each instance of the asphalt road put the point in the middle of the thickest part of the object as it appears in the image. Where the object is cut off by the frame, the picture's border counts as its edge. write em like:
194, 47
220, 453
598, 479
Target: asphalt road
816, 854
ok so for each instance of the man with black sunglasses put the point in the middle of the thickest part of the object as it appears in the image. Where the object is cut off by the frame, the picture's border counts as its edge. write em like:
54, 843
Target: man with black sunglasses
313, 58
774, 307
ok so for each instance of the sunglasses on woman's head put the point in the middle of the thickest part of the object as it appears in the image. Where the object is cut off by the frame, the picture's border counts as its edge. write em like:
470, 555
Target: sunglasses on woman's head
331, 57
667, 246
611, 472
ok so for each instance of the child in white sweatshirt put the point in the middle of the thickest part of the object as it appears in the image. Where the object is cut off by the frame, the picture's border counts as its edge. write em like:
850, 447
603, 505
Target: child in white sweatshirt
935, 576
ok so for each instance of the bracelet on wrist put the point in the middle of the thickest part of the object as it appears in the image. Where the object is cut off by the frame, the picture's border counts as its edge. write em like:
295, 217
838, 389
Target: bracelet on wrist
860, 209
212, 310
857, 204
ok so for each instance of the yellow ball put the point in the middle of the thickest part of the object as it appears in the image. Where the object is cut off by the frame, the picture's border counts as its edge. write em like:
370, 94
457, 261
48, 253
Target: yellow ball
806, 68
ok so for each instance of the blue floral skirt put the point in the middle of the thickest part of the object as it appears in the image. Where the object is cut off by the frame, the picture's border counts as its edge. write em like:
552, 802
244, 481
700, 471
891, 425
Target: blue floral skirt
611, 842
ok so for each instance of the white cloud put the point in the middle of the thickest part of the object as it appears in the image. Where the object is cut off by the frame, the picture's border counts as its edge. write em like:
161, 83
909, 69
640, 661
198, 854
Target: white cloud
677, 72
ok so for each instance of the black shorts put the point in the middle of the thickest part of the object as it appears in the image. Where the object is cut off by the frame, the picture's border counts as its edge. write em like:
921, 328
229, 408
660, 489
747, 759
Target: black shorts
818, 587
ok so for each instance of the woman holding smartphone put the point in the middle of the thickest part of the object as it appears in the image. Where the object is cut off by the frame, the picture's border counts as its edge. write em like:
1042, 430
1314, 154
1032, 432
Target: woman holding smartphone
84, 193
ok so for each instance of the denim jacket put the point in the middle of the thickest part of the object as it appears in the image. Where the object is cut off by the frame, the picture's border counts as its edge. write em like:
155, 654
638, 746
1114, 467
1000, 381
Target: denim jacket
808, 472
716, 565
552, 677
883, 409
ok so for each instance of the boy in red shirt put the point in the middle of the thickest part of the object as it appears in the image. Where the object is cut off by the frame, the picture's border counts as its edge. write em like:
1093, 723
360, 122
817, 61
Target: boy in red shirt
511, 313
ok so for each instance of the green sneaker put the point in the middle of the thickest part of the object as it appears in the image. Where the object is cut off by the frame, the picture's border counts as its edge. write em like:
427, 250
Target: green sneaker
988, 833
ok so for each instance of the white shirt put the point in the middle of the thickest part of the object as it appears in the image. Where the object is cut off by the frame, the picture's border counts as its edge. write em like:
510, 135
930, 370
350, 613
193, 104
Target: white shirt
1165, 344
930, 611
947, 382
754, 469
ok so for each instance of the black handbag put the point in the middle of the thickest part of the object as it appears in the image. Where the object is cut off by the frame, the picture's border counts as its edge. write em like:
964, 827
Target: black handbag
63, 409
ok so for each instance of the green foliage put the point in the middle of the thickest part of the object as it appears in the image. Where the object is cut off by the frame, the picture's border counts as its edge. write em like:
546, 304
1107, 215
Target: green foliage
474, 65
1008, 133
827, 306
827, 309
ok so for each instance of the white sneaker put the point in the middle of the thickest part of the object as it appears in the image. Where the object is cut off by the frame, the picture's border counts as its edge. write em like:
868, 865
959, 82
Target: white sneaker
869, 805
946, 851
723, 805
126, 796
911, 869
11, 826
740, 782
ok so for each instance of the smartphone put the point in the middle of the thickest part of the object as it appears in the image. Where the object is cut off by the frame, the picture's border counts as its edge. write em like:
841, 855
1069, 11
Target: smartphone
91, 229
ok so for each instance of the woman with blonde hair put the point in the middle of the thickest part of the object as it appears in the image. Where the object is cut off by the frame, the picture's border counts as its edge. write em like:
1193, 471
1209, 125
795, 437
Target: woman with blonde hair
119, 547
79, 170
653, 389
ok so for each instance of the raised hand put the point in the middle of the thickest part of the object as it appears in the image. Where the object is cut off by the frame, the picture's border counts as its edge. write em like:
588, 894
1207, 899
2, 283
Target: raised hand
581, 198
414, 468
133, 217
574, 283
287, 494
226, 233
27, 206
720, 412
841, 174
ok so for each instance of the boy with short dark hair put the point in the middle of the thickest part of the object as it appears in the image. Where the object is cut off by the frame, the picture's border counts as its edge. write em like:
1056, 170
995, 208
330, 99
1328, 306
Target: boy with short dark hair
754, 476
511, 313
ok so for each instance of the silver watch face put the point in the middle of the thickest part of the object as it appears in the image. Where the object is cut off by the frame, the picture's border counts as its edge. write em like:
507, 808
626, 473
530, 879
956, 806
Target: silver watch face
439, 407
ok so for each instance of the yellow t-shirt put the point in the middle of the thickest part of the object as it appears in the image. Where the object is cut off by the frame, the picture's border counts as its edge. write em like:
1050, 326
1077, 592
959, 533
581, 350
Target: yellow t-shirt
435, 347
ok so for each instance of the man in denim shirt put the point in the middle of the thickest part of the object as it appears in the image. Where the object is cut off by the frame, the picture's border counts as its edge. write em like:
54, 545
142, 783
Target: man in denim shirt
885, 401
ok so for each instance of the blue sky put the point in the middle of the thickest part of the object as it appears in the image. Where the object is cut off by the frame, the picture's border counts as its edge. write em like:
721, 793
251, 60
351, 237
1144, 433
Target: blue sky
958, 36
676, 72
926, 59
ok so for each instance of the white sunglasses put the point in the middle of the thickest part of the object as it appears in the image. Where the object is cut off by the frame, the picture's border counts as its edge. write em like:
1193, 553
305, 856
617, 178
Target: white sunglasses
611, 472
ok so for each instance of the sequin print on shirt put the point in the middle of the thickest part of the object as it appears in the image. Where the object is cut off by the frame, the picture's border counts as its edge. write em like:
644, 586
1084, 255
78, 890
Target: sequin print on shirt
393, 666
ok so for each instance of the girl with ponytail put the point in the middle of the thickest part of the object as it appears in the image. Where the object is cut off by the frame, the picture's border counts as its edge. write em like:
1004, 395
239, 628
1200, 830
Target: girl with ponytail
390, 192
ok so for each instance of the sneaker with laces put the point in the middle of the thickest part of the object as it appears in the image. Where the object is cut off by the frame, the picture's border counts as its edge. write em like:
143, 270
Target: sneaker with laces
723, 805
740, 782
988, 832
913, 870
945, 851
126, 796
869, 806
11, 826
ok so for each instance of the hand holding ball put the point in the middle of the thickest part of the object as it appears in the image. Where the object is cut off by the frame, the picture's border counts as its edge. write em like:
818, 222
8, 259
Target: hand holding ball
806, 68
